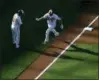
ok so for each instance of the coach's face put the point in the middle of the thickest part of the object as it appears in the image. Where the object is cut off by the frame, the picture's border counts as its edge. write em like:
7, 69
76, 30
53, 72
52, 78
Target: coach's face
21, 12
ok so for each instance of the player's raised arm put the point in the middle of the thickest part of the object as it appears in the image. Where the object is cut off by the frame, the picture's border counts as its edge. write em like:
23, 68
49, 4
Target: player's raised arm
41, 18
38, 19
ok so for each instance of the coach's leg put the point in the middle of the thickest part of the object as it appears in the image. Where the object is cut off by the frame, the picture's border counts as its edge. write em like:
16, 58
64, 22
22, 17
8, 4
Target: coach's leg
18, 37
55, 32
13, 36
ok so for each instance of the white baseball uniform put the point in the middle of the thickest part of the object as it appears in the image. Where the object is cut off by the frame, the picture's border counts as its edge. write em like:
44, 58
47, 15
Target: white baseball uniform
51, 21
15, 27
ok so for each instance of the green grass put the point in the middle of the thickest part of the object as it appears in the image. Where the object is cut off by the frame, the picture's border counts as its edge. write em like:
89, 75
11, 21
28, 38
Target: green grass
75, 64
19, 64
10, 71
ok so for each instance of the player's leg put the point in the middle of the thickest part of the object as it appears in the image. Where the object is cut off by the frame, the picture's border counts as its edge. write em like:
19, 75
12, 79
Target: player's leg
55, 32
17, 38
47, 35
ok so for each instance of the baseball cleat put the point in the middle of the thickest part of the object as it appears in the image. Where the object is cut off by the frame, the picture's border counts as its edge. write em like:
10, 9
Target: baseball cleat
14, 42
45, 42
57, 34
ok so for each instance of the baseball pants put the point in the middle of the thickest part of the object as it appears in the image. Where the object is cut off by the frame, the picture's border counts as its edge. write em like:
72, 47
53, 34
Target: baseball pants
50, 29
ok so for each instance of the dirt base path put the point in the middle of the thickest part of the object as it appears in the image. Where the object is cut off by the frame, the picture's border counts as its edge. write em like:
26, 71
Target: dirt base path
59, 44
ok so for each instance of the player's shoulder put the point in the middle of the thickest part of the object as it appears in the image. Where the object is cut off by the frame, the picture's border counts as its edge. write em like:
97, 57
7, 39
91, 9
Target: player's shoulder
55, 14
47, 14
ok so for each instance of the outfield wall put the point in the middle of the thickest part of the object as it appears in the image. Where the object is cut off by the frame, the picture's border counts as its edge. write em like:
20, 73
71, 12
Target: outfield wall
32, 32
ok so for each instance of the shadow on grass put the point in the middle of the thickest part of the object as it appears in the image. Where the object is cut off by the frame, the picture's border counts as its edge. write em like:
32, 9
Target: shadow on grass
55, 54
78, 49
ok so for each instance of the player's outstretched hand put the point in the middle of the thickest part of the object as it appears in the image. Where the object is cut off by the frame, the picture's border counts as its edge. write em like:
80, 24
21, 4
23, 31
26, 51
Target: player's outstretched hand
61, 26
37, 19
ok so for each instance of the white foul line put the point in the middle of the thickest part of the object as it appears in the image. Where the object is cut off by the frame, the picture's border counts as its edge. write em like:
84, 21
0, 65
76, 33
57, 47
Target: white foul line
56, 58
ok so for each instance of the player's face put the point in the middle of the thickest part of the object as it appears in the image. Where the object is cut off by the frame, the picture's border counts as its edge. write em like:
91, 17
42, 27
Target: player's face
50, 12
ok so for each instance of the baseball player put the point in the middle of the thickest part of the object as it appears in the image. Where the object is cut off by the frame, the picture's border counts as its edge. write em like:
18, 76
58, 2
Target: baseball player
51, 21
15, 27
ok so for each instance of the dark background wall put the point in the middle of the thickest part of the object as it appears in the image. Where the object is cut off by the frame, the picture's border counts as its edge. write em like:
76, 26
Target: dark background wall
32, 32
33, 9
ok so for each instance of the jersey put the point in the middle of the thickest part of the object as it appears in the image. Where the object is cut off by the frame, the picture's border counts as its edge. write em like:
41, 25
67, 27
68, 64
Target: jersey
16, 21
51, 19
